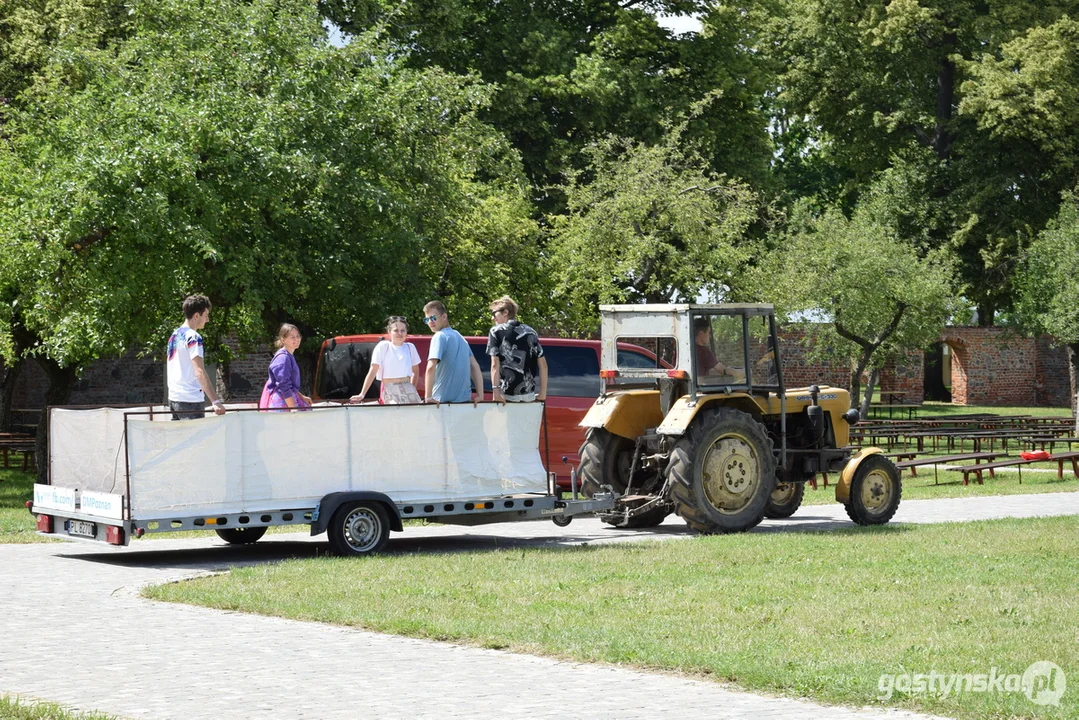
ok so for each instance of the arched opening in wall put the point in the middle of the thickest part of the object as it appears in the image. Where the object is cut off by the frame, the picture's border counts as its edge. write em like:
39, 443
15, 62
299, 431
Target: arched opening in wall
938, 373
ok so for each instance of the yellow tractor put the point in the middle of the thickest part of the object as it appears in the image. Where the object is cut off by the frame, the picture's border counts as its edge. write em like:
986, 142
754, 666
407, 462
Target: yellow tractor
710, 432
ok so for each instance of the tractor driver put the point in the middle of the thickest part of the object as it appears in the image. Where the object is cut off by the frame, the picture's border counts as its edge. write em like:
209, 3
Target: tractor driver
707, 362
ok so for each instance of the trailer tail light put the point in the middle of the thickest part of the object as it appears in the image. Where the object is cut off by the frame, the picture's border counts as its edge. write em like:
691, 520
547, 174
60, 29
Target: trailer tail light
608, 374
114, 535
678, 374
44, 523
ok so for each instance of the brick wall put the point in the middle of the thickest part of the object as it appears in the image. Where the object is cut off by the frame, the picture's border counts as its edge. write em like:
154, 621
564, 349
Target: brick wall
799, 371
905, 376
132, 379
1052, 382
992, 366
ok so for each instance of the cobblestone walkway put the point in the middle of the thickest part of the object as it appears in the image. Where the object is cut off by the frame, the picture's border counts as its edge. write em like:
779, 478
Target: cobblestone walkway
75, 632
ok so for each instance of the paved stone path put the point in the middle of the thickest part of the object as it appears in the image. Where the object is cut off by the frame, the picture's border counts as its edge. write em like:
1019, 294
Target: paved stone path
76, 632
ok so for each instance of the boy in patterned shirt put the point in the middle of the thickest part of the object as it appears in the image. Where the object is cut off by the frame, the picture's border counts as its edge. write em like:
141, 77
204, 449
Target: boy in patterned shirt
518, 368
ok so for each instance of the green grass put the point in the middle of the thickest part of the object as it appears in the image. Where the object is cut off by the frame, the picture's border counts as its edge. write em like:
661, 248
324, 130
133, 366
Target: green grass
16, 522
922, 487
12, 708
819, 615
931, 408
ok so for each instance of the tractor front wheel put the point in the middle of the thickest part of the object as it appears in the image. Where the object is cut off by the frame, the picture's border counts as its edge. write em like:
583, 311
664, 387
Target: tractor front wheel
875, 491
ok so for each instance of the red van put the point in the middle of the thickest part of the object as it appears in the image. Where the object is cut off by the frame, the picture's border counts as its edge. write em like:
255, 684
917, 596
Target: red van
572, 383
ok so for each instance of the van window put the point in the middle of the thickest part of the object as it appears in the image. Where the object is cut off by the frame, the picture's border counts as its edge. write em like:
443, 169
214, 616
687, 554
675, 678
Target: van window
343, 370
572, 371
480, 353
630, 359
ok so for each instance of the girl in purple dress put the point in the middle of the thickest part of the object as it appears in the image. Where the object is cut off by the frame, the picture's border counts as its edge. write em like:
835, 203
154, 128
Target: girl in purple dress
282, 390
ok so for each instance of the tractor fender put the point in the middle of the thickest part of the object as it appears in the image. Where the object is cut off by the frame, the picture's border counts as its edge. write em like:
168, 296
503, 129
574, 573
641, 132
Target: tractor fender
682, 412
842, 488
628, 413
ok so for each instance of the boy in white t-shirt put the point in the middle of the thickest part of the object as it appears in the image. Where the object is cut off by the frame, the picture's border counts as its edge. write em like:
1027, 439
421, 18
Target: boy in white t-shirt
184, 367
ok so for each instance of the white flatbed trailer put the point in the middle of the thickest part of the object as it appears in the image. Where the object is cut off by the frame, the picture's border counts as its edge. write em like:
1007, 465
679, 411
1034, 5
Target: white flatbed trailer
354, 472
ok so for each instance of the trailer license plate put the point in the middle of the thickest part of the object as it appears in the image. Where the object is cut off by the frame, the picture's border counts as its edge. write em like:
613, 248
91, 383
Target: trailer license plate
81, 527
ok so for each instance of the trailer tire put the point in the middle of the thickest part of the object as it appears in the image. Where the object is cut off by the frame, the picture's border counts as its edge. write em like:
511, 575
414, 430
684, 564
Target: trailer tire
785, 500
605, 460
875, 491
723, 472
359, 528
241, 535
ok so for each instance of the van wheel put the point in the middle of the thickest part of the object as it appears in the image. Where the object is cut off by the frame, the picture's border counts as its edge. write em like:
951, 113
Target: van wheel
241, 535
875, 491
606, 459
359, 528
785, 500
723, 472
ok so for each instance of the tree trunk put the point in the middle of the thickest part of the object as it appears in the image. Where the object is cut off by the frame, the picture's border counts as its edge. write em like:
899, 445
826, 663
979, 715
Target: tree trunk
7, 393
874, 376
61, 383
942, 135
223, 381
1073, 375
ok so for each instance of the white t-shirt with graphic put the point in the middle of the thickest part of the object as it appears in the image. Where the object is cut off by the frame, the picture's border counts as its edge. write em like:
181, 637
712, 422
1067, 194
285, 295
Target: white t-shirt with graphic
394, 362
184, 344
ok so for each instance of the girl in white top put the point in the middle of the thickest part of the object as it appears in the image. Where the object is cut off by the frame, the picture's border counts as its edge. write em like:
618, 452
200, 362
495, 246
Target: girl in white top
395, 363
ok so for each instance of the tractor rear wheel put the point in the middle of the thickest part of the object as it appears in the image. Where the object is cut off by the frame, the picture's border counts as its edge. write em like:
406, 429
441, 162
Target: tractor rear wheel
875, 491
606, 459
785, 500
723, 472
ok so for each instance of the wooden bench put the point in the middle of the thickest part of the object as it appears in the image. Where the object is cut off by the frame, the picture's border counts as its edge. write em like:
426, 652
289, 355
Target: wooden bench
1018, 464
10, 446
912, 465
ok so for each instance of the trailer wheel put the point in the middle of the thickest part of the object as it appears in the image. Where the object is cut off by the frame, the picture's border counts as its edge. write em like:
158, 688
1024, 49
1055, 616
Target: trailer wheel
723, 472
606, 459
241, 535
359, 528
561, 520
785, 500
875, 491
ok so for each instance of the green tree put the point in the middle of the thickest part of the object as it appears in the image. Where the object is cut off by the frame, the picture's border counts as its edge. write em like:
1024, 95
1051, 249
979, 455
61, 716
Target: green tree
651, 224
228, 148
863, 291
864, 84
568, 74
1048, 291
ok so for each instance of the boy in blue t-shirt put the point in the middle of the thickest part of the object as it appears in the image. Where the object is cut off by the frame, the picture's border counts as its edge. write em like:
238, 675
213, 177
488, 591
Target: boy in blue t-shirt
449, 361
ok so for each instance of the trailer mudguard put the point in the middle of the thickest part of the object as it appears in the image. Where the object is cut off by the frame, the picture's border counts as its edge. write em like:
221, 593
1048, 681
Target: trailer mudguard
842, 488
328, 505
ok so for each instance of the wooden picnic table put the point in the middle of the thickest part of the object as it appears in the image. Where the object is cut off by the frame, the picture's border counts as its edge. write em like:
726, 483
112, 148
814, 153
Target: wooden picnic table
912, 465
911, 409
1018, 464
1050, 441
11, 443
